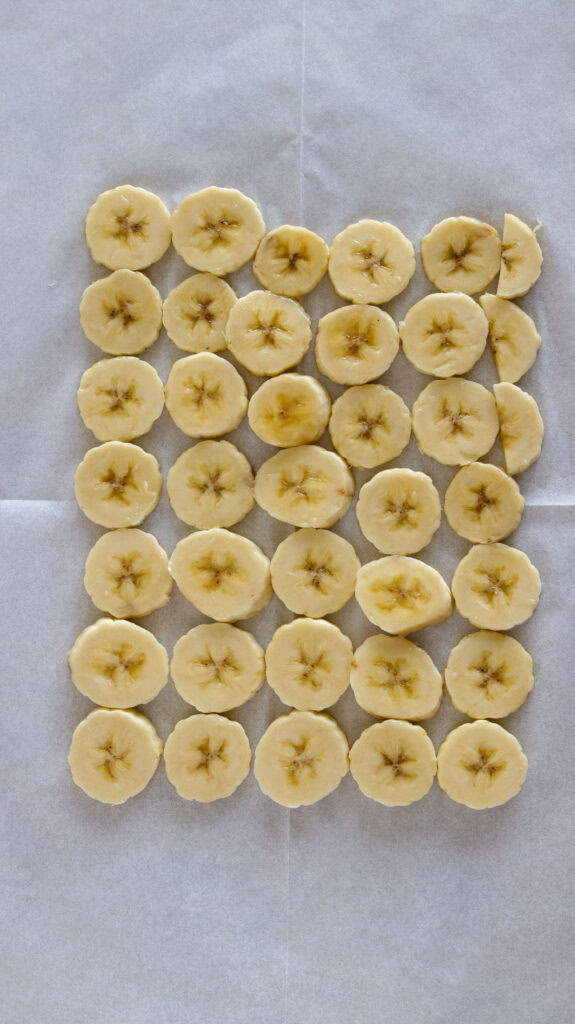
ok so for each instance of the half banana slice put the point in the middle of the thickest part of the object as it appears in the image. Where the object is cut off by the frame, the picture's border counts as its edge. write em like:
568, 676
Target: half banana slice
308, 664
217, 230
211, 484
225, 576
118, 664
521, 427
444, 335
207, 757
400, 594
291, 261
196, 313
114, 754
393, 763
461, 254
127, 574
392, 677
455, 421
305, 486
128, 227
217, 667
301, 758
483, 504
268, 333
369, 425
122, 313
481, 765
205, 395
371, 261
496, 587
117, 484
355, 344
521, 258
289, 410
120, 399
514, 337
488, 675
398, 511
314, 572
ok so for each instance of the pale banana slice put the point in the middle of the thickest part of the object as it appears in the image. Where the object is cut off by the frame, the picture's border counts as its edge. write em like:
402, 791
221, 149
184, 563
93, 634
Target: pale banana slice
514, 337
305, 486
392, 677
308, 663
301, 758
455, 421
289, 410
128, 227
461, 254
369, 425
399, 510
268, 333
225, 576
483, 504
488, 675
114, 754
122, 313
120, 399
445, 334
521, 258
355, 344
211, 484
521, 427
118, 664
401, 594
217, 230
314, 572
127, 574
393, 763
481, 765
117, 484
207, 757
196, 313
291, 261
217, 667
371, 261
496, 587
205, 395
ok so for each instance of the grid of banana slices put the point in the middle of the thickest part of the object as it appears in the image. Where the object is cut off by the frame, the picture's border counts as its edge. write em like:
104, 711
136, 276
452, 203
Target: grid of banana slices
309, 484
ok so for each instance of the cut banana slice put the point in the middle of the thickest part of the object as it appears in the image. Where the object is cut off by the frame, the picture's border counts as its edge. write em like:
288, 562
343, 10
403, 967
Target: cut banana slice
120, 399
481, 765
444, 335
225, 576
217, 667
496, 587
305, 486
114, 754
217, 230
483, 504
118, 664
289, 410
205, 395
392, 677
355, 344
196, 313
301, 758
308, 663
521, 258
399, 510
455, 421
401, 594
207, 757
268, 333
461, 254
488, 675
393, 763
128, 227
314, 572
211, 484
369, 425
521, 427
122, 313
514, 337
127, 574
291, 261
371, 261
117, 484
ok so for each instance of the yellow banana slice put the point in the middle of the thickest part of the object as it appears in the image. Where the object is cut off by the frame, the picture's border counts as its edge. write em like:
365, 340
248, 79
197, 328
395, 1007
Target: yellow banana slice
268, 333
305, 486
207, 757
225, 576
371, 261
196, 313
461, 254
217, 667
211, 484
483, 504
122, 313
393, 763
291, 261
289, 410
399, 510
481, 765
217, 230
455, 421
496, 587
521, 258
114, 754
127, 574
488, 675
444, 335
128, 227
120, 399
314, 572
514, 337
117, 484
118, 664
369, 425
205, 395
301, 758
355, 344
521, 427
400, 594
392, 677
308, 663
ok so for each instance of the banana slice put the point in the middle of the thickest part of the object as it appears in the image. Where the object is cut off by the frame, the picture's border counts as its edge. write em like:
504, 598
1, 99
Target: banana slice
521, 427
488, 675
455, 421
314, 572
127, 574
371, 261
117, 484
196, 313
114, 754
122, 313
308, 663
521, 258
225, 576
217, 230
393, 763
301, 758
514, 337
211, 484
481, 765
401, 594
207, 757
305, 486
392, 677
118, 664
291, 261
496, 587
461, 254
268, 333
355, 344
369, 425
205, 395
399, 511
217, 667
120, 399
483, 504
444, 335
128, 227
289, 410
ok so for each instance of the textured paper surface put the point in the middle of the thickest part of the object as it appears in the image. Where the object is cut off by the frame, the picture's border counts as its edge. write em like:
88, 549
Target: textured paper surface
242, 911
